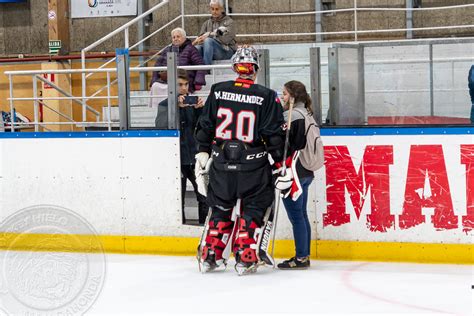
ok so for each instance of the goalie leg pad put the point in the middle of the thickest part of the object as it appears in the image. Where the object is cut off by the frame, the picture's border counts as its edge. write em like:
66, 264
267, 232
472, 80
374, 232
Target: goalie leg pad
245, 244
217, 239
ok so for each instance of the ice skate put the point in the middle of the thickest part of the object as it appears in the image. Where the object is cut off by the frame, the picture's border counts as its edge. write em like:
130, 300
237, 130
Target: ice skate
208, 267
210, 264
245, 268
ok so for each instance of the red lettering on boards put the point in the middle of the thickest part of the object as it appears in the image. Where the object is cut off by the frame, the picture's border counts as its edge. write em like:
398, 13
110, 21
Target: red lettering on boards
467, 158
427, 162
373, 174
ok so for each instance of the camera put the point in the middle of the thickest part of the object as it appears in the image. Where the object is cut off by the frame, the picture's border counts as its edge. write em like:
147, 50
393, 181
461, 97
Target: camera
221, 30
190, 100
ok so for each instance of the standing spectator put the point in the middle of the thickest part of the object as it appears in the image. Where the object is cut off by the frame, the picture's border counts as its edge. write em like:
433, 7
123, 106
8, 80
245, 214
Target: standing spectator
296, 200
471, 91
188, 115
187, 55
217, 36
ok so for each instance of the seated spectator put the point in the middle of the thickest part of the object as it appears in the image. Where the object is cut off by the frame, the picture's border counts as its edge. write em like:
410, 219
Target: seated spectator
188, 114
216, 39
187, 55
471, 91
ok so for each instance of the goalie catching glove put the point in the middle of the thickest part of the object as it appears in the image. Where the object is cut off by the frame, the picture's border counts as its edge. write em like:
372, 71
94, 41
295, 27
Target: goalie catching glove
288, 184
283, 183
201, 171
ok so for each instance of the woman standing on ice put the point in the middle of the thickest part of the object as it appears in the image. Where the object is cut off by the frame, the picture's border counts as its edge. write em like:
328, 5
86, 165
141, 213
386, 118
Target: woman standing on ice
294, 185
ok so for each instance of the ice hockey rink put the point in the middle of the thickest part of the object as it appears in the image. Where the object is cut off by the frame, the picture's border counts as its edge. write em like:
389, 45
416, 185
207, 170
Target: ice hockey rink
162, 285
159, 284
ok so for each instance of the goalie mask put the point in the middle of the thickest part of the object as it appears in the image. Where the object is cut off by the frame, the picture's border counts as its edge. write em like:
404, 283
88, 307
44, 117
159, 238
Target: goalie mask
245, 60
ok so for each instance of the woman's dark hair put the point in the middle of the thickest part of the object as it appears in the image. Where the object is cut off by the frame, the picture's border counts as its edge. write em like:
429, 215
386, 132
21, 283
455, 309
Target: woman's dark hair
297, 90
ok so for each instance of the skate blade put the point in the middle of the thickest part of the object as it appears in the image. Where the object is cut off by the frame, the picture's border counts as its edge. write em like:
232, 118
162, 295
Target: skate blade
206, 267
243, 270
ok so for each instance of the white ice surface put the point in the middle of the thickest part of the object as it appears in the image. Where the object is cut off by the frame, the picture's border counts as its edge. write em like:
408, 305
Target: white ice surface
158, 285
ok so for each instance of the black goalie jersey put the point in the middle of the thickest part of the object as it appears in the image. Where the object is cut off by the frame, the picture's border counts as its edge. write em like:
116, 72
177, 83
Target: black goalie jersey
239, 110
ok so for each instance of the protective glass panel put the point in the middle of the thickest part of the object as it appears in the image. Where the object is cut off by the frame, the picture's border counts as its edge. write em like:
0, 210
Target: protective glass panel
451, 65
281, 75
349, 90
397, 84
144, 107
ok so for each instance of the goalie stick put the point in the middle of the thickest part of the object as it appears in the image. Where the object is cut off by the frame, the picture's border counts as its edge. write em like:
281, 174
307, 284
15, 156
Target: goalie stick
283, 172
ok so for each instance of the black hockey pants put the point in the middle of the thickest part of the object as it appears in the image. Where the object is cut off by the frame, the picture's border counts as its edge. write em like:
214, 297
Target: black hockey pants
254, 188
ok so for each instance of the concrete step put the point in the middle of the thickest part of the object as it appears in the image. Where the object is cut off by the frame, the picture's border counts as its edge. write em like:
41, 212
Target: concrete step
139, 97
142, 116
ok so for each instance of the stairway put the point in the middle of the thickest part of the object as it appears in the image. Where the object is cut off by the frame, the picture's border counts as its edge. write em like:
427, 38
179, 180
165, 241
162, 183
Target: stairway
141, 115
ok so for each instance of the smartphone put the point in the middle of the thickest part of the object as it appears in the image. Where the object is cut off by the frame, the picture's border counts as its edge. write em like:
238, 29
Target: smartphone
190, 100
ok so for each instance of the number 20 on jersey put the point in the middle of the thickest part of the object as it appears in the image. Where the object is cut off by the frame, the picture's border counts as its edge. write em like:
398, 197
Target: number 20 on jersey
244, 122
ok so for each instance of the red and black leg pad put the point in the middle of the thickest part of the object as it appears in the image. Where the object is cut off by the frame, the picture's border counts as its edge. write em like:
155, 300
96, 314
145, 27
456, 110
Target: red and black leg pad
217, 238
245, 243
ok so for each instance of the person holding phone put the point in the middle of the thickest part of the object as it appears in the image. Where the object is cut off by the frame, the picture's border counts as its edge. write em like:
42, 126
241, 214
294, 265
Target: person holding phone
190, 108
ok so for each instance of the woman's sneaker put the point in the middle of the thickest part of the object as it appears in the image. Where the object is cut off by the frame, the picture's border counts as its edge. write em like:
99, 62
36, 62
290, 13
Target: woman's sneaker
295, 264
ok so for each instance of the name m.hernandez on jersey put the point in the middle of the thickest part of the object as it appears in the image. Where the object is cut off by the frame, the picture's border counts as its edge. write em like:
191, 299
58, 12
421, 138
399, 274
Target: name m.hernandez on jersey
237, 97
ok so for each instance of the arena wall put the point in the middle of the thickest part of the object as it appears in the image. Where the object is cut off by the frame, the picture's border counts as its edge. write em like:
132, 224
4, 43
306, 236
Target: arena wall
30, 18
384, 194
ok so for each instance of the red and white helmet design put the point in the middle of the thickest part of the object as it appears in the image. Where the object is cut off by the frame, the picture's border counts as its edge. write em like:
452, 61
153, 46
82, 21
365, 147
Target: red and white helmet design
245, 60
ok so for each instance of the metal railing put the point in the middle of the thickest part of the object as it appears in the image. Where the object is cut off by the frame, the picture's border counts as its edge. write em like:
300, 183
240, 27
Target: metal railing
124, 28
108, 98
182, 16
354, 10
37, 75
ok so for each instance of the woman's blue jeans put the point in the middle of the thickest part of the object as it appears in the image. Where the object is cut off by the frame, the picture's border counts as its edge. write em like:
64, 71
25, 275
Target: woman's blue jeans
298, 215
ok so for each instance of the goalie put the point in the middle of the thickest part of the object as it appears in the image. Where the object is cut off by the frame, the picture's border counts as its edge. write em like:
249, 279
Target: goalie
240, 125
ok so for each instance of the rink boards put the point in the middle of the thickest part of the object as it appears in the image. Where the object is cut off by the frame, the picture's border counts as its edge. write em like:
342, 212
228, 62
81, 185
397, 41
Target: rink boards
384, 193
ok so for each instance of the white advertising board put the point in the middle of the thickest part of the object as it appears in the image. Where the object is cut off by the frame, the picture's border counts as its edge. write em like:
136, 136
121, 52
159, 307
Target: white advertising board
117, 184
403, 188
381, 188
102, 8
